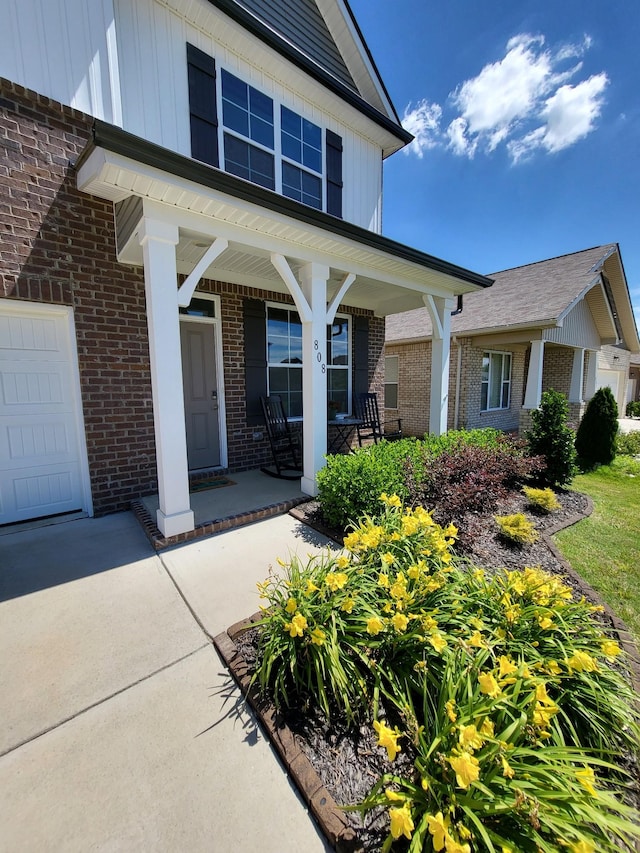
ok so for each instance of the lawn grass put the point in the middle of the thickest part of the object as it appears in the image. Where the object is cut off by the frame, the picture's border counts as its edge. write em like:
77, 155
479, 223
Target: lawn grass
605, 548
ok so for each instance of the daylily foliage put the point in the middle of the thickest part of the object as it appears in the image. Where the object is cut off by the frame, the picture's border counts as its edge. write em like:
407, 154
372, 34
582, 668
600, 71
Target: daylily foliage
500, 687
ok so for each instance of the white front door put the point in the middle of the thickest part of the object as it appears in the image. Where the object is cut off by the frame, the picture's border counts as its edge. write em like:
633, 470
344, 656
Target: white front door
201, 404
41, 467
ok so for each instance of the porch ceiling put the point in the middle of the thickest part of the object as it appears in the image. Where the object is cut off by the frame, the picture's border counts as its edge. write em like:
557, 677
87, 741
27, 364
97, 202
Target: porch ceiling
206, 203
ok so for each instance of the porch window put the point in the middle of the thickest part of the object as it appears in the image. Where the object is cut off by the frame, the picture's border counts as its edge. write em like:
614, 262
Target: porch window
496, 381
391, 382
284, 359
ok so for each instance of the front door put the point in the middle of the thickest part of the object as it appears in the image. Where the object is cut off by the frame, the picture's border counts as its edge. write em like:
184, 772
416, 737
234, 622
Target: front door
200, 394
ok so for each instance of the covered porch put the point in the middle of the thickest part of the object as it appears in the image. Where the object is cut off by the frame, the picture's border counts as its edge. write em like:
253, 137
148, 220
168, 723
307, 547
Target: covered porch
183, 221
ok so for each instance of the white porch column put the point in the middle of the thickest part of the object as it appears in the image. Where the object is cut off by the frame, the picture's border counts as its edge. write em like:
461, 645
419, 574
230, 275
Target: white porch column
313, 279
534, 377
592, 371
577, 376
440, 311
158, 240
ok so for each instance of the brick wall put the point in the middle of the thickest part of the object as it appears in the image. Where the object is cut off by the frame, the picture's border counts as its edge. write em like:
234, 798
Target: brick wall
557, 369
58, 247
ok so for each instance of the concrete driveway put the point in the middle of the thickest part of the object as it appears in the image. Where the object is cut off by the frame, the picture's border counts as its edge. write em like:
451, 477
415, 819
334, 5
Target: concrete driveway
121, 730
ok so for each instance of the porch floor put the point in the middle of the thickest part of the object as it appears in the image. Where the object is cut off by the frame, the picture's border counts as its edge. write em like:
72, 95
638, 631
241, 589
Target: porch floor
251, 496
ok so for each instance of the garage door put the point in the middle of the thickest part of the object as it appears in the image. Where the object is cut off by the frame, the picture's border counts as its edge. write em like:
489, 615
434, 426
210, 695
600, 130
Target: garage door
40, 463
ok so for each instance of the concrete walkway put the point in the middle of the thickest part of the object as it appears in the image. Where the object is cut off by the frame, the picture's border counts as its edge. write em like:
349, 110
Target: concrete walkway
121, 730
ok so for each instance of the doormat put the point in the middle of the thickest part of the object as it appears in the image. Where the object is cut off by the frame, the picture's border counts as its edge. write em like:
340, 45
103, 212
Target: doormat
210, 483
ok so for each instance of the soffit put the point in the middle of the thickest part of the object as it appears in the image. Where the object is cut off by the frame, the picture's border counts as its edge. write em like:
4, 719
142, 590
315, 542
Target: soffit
386, 281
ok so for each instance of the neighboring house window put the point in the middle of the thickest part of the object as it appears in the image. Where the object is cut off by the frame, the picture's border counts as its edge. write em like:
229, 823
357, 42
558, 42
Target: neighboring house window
284, 359
274, 147
391, 382
496, 381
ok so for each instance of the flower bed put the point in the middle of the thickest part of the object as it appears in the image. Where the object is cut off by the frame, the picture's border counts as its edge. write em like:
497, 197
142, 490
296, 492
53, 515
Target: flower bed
499, 693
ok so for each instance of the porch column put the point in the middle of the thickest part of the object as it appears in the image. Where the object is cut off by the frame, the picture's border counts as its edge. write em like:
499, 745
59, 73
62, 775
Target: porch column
158, 240
313, 279
533, 392
592, 370
577, 376
440, 310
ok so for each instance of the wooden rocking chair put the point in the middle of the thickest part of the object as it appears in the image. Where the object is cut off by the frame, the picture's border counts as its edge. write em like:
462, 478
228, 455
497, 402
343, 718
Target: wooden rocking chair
366, 408
286, 455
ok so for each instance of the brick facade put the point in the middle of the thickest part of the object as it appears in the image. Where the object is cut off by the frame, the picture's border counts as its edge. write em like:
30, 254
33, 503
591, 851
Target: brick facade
58, 247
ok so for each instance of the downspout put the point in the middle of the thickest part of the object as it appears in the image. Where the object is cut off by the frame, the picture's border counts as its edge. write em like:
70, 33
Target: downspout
456, 411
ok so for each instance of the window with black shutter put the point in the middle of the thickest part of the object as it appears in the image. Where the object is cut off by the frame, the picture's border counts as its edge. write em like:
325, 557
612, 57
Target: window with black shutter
203, 111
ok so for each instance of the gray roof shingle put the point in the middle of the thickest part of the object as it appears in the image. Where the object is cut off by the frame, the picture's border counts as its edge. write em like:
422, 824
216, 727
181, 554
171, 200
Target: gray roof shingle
531, 295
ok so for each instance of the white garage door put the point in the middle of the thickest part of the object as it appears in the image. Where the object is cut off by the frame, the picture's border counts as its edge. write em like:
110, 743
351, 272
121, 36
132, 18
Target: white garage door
41, 472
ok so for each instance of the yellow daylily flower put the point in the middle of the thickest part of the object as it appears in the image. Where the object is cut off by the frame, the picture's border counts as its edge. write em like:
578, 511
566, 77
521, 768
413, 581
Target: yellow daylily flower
297, 625
394, 796
401, 821
487, 729
438, 641
342, 561
610, 648
507, 769
470, 738
348, 605
388, 738
400, 622
507, 667
545, 623
453, 846
438, 829
410, 525
318, 636
383, 580
375, 625
388, 558
352, 541
586, 777
390, 500
292, 605
449, 706
466, 767
488, 685
582, 662
336, 580
553, 667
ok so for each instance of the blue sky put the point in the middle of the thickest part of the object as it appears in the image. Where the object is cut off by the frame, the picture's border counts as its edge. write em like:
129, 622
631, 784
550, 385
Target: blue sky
527, 118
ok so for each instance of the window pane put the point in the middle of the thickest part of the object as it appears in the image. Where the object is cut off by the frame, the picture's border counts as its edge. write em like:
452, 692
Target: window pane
261, 105
236, 156
262, 168
495, 384
235, 118
484, 396
291, 148
278, 380
278, 350
505, 395
390, 396
311, 134
234, 90
262, 132
312, 158
338, 388
391, 368
277, 321
311, 190
485, 368
291, 182
291, 122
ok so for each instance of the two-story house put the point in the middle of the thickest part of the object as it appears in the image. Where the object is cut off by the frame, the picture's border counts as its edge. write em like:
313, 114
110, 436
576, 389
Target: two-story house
191, 196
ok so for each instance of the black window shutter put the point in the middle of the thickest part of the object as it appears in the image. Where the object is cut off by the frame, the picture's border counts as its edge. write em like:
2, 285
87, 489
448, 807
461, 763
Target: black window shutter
203, 112
334, 174
360, 355
255, 358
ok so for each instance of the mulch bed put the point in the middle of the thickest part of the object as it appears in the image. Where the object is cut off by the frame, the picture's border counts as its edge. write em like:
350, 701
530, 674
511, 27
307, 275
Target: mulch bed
333, 765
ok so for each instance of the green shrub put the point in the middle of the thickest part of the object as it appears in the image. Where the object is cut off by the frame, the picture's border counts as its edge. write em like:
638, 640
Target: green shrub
551, 438
596, 436
350, 485
501, 690
543, 499
633, 409
486, 437
516, 528
628, 443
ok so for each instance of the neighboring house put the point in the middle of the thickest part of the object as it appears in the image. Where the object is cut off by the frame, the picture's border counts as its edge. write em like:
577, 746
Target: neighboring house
633, 385
564, 323
191, 209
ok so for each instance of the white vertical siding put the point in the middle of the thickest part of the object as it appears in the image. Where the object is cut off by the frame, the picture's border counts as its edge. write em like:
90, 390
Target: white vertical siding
152, 42
578, 329
64, 49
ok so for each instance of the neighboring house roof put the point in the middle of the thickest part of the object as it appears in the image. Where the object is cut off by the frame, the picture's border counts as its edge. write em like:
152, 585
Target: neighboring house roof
536, 295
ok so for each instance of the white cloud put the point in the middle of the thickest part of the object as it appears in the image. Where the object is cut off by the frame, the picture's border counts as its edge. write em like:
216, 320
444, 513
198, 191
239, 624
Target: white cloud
423, 121
527, 101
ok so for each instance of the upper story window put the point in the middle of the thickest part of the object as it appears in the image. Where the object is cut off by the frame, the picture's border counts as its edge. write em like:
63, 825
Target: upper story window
495, 390
260, 141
